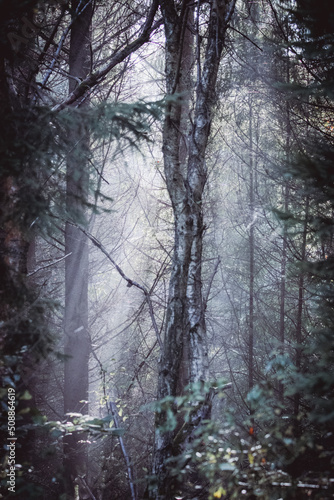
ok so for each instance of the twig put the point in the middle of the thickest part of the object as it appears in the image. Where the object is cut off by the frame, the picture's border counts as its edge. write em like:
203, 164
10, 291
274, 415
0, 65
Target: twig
230, 12
139, 368
62, 40
205, 301
48, 265
201, 411
247, 38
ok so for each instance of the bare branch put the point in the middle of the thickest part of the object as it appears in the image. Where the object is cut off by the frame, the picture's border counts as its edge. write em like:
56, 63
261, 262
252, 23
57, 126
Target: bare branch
48, 265
118, 57
247, 38
139, 368
205, 301
130, 282
230, 11
62, 40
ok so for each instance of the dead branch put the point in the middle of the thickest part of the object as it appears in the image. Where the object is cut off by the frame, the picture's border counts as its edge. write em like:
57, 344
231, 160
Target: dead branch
48, 265
118, 57
129, 281
206, 298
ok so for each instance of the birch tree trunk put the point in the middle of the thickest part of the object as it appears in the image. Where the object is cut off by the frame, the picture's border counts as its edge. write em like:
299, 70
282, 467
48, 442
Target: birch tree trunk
77, 341
185, 358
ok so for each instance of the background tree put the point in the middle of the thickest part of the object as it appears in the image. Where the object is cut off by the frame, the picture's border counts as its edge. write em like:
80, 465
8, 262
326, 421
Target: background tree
77, 346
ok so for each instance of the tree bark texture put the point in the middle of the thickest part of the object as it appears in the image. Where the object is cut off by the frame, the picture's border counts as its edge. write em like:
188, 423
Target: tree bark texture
77, 340
184, 358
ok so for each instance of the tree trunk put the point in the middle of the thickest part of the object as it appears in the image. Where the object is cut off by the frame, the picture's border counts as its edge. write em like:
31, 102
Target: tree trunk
184, 358
300, 307
77, 340
251, 254
285, 194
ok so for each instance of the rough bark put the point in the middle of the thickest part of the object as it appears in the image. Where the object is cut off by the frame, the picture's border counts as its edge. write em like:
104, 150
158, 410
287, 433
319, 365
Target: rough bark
13, 243
184, 358
77, 340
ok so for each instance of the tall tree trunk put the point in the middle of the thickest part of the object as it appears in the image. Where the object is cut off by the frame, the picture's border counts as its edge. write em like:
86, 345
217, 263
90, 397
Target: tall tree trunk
13, 242
251, 253
285, 195
77, 340
184, 358
300, 306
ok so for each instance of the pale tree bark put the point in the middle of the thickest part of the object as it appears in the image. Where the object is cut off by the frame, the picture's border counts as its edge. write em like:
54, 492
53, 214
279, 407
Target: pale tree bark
184, 358
77, 340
